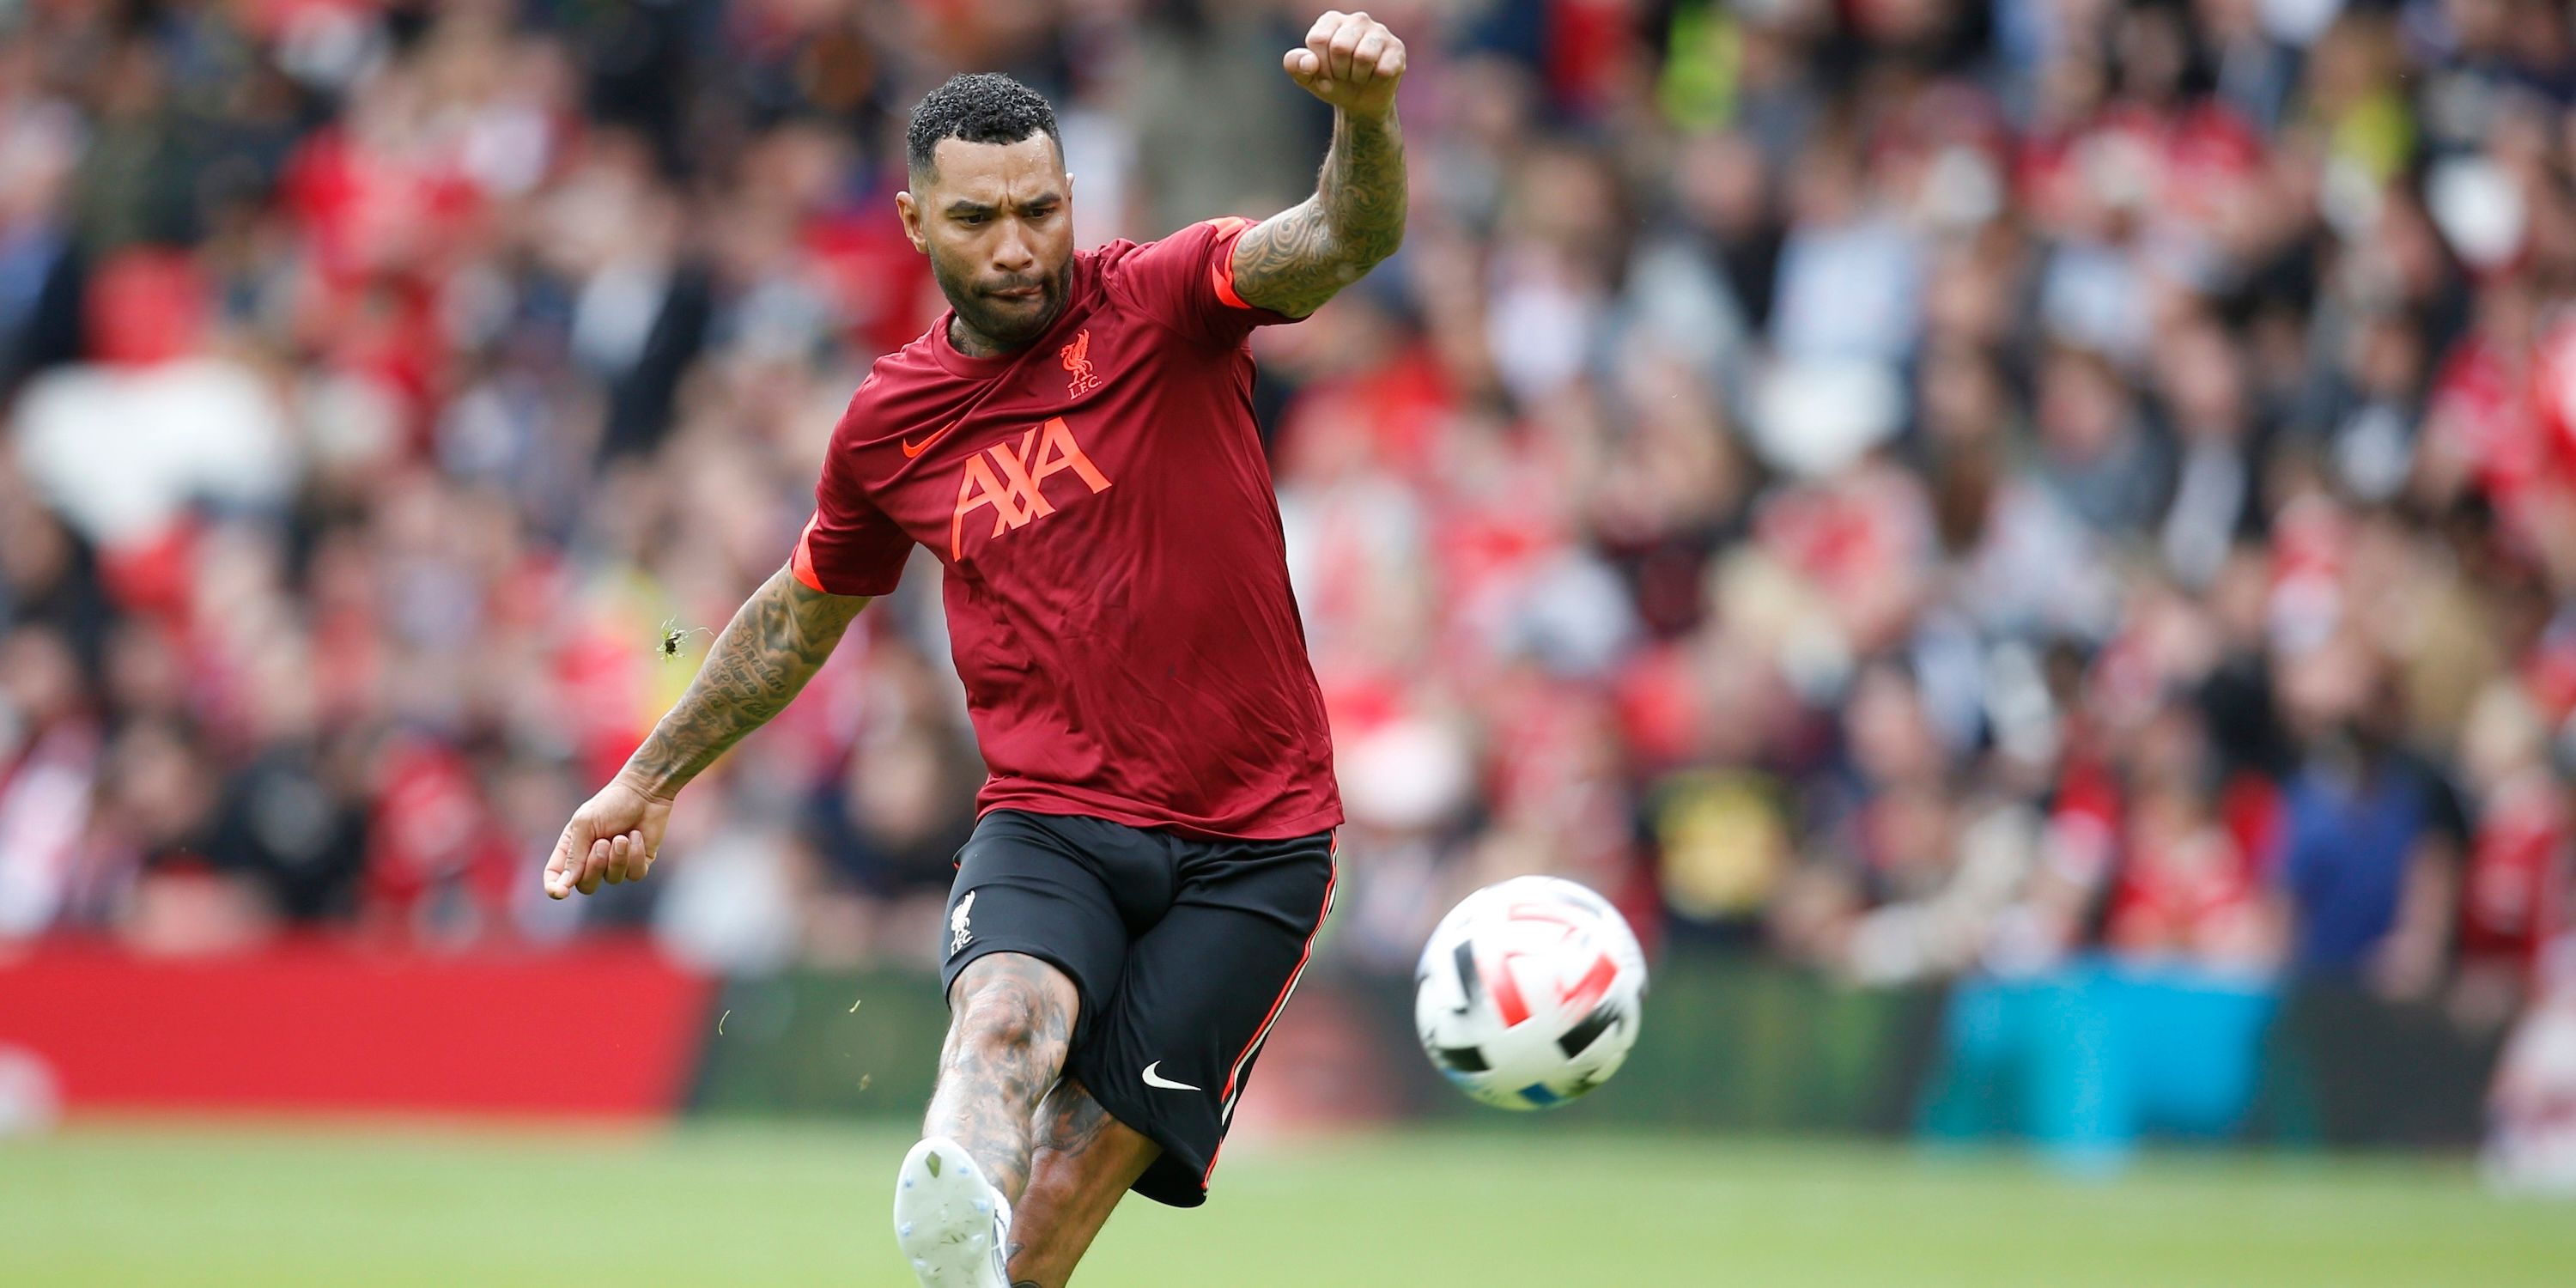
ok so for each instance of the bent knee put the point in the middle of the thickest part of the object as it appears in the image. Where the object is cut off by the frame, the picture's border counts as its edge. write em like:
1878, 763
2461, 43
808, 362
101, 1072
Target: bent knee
1011, 1002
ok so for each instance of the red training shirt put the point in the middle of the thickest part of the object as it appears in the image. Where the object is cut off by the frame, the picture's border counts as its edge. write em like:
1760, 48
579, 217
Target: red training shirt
1117, 585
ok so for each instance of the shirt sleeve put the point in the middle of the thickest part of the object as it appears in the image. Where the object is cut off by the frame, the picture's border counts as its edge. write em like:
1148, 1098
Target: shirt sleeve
1186, 282
849, 547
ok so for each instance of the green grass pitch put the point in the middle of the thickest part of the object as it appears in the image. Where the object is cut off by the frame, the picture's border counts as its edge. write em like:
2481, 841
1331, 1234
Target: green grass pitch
177, 1204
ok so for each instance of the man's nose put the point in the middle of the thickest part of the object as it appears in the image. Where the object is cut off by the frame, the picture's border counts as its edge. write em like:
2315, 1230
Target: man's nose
1012, 252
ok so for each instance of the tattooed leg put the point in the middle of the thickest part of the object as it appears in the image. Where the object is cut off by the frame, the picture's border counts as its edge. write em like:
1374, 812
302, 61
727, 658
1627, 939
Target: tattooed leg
1011, 1019
1085, 1161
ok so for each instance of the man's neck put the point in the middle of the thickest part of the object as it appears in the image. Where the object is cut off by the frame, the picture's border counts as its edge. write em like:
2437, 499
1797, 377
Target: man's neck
971, 342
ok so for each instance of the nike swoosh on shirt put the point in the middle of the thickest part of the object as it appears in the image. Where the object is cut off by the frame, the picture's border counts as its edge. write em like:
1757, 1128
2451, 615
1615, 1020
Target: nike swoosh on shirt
911, 449
1164, 1083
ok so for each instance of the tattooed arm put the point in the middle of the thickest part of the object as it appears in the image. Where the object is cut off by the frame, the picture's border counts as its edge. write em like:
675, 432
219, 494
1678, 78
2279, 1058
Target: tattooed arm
1295, 260
773, 645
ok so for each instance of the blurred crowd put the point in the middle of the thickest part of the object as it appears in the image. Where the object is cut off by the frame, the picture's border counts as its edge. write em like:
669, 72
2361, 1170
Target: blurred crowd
1914, 486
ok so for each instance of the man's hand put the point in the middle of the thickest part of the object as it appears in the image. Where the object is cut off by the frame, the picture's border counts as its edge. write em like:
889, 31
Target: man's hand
1350, 61
612, 838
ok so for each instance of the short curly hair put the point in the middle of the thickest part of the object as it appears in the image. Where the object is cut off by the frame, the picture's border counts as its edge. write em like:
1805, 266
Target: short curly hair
985, 107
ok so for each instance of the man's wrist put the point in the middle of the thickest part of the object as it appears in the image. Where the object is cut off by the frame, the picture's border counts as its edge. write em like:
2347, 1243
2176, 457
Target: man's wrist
1379, 118
649, 785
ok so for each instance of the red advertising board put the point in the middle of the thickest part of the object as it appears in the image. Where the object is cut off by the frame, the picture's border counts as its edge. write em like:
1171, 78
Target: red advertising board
605, 1028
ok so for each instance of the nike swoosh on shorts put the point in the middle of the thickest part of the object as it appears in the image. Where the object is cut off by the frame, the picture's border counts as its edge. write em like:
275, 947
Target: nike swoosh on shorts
1165, 1083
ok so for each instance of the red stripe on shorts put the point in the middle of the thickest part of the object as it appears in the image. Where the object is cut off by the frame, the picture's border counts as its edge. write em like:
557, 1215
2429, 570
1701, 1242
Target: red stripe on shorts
1235, 1073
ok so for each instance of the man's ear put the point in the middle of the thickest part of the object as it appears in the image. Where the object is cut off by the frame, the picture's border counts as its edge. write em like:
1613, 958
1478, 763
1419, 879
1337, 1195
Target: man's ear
910, 212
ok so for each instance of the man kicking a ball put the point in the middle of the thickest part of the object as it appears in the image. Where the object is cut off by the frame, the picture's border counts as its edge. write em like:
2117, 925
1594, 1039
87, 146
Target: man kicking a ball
1075, 441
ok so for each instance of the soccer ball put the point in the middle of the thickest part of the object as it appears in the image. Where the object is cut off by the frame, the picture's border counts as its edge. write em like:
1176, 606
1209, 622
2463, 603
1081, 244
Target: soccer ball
1527, 996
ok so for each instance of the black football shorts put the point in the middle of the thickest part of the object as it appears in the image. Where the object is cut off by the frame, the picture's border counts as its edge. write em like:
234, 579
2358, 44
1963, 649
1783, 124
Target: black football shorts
1183, 952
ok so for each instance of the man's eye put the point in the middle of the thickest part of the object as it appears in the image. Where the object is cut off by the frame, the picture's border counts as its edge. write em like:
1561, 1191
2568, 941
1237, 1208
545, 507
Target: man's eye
973, 221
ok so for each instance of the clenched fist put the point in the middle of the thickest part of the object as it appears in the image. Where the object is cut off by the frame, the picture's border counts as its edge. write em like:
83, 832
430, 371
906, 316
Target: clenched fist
613, 837
1350, 61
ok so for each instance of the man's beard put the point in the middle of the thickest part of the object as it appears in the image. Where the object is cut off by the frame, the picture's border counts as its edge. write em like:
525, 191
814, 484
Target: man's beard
1004, 324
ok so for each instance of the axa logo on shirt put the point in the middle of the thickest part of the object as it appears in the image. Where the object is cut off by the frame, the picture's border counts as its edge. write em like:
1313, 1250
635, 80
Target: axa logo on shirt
1011, 479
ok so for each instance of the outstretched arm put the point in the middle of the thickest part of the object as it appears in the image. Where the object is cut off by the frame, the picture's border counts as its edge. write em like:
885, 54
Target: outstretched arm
1295, 260
773, 645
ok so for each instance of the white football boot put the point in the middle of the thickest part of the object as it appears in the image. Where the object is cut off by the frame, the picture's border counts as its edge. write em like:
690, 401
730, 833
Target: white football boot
951, 1223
